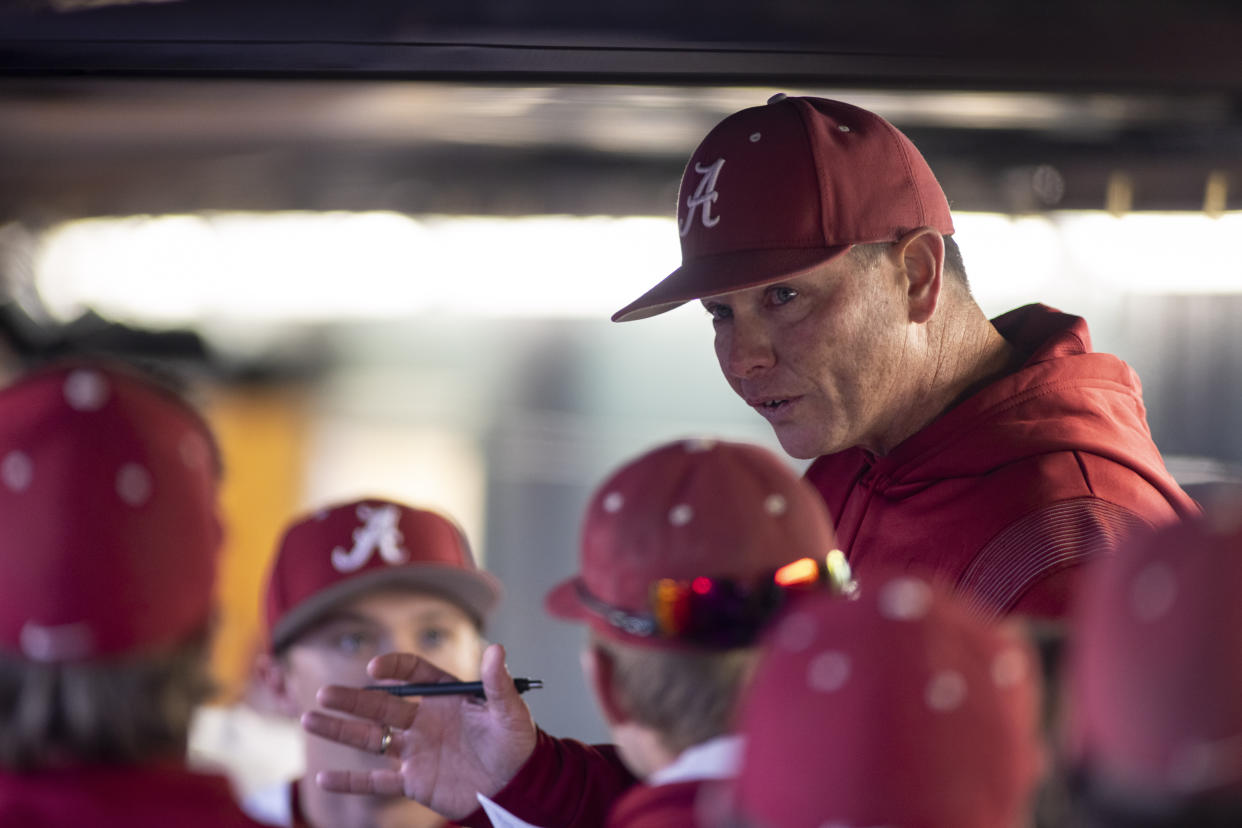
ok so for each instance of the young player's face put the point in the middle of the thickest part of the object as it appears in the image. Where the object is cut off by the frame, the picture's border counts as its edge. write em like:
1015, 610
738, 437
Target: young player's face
820, 356
336, 649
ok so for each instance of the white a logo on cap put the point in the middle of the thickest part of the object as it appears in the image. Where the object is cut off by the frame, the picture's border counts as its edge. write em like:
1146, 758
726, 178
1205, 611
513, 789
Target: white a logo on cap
704, 196
378, 531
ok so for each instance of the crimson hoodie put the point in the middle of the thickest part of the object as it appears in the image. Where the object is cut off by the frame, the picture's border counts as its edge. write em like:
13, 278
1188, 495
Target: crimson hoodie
1007, 494
563, 783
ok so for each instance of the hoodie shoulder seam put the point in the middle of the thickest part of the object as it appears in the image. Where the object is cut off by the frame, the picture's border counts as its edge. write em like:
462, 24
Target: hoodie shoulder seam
966, 428
1082, 469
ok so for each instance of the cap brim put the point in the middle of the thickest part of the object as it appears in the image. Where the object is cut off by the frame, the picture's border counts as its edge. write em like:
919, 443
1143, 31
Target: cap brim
563, 601
476, 592
724, 273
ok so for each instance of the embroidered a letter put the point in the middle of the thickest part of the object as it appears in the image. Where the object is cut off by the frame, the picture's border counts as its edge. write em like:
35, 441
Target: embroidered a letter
378, 531
704, 196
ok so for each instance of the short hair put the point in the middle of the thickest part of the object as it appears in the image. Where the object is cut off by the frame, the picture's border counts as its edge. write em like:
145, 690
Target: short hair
868, 255
118, 711
686, 696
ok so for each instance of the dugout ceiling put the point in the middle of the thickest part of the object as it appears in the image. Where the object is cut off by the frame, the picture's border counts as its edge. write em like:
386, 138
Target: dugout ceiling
519, 106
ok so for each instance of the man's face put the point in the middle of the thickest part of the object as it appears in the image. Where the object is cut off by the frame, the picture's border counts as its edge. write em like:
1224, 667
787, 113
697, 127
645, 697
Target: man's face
821, 356
336, 651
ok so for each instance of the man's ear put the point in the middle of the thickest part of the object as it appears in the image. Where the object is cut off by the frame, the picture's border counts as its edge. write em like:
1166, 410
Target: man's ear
920, 255
599, 667
272, 678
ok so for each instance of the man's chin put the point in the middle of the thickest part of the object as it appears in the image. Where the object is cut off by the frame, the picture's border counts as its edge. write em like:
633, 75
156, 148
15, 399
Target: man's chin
796, 444
809, 438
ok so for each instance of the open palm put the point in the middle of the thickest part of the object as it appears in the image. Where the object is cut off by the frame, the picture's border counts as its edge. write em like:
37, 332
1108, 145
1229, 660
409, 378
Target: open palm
452, 747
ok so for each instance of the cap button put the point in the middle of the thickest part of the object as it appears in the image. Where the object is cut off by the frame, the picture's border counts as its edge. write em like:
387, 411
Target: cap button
777, 98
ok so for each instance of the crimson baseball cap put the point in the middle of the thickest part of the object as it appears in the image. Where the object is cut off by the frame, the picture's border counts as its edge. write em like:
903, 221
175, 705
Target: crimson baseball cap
900, 708
344, 550
111, 533
1155, 671
776, 190
688, 509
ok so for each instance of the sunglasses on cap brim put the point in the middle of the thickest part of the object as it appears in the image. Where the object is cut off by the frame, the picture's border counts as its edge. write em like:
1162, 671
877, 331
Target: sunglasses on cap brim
724, 612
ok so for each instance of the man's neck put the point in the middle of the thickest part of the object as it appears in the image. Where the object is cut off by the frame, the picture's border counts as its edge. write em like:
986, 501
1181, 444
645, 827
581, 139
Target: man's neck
982, 355
964, 353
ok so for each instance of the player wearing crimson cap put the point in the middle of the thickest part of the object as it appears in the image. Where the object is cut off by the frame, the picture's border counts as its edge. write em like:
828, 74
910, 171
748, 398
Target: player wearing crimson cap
996, 456
686, 553
108, 556
1153, 736
349, 582
679, 549
900, 709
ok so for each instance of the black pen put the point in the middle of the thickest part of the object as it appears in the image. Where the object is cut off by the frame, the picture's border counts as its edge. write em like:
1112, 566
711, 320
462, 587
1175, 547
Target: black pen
451, 688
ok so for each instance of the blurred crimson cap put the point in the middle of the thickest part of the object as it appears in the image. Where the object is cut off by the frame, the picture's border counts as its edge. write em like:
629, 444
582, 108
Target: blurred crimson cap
344, 550
688, 509
108, 502
776, 190
898, 709
1155, 678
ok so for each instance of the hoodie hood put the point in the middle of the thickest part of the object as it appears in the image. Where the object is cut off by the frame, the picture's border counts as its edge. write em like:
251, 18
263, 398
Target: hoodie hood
1005, 493
1065, 397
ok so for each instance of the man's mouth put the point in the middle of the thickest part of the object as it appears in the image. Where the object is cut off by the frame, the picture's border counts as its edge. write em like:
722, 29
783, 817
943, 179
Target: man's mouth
772, 407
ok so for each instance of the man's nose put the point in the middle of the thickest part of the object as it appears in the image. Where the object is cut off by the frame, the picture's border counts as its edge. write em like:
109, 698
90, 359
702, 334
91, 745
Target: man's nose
747, 350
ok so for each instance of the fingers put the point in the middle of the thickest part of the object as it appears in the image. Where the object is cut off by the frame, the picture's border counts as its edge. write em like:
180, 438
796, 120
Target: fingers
378, 739
362, 735
381, 782
406, 667
375, 705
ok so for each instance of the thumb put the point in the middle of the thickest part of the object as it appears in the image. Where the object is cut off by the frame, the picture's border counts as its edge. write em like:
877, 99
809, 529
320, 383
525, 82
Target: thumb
511, 732
497, 683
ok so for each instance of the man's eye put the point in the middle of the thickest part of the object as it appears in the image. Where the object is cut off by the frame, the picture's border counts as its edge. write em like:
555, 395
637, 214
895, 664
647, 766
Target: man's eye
782, 294
719, 312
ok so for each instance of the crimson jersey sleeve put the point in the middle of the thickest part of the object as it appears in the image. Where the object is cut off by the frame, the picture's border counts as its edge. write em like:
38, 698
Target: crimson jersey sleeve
564, 783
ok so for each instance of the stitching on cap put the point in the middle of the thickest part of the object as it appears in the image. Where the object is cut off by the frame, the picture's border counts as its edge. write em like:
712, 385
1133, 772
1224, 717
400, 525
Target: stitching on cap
905, 157
815, 155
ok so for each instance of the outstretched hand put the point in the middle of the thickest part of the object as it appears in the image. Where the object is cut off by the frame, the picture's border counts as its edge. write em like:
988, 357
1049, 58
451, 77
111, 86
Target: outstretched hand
451, 747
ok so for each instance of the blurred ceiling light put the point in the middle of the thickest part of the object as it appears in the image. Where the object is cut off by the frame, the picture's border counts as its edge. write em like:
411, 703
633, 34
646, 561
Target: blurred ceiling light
317, 267
309, 267
1009, 259
1155, 253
